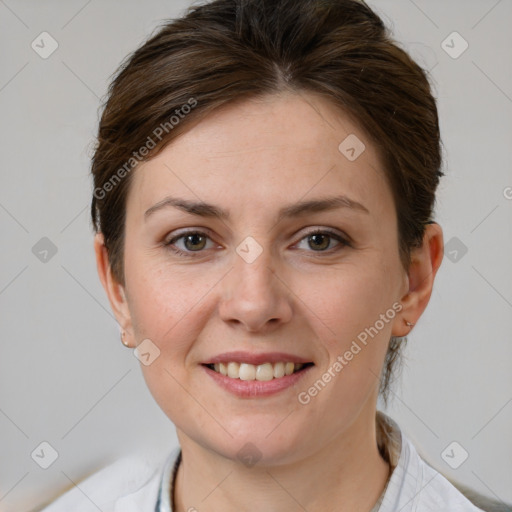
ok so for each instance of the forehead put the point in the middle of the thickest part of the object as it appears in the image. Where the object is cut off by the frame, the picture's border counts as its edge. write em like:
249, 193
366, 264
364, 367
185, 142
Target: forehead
268, 150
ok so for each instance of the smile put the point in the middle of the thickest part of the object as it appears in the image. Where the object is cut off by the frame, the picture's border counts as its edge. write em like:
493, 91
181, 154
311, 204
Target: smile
261, 372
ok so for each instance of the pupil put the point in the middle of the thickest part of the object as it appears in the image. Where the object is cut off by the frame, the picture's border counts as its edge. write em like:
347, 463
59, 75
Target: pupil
316, 237
193, 238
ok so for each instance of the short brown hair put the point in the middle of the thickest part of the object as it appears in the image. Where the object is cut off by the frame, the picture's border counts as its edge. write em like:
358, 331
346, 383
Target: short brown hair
230, 50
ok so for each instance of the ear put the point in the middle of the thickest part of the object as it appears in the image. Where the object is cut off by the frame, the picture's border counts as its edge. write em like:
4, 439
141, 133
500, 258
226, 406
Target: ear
115, 291
425, 262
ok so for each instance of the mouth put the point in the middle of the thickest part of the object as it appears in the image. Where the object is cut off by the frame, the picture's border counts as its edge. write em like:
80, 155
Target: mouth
262, 372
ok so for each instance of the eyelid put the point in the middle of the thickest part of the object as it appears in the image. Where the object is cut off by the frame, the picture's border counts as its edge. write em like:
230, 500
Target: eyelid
329, 231
340, 237
169, 242
188, 231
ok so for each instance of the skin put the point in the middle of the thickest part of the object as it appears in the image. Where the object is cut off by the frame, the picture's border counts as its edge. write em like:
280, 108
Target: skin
252, 158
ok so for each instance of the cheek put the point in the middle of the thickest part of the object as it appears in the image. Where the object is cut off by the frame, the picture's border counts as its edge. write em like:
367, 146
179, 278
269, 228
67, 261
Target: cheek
155, 307
165, 302
167, 308
345, 311
349, 299
352, 311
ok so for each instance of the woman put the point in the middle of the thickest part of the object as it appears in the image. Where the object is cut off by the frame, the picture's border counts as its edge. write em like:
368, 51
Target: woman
264, 183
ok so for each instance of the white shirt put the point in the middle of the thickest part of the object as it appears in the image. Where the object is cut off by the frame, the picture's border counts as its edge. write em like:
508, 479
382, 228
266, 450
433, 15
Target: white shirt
143, 483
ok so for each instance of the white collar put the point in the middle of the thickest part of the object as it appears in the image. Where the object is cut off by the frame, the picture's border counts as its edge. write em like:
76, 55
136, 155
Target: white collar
414, 486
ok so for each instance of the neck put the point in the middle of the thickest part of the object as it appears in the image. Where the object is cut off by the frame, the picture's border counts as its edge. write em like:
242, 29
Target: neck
347, 474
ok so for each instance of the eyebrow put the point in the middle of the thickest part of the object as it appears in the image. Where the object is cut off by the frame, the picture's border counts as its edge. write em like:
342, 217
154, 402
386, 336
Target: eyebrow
203, 209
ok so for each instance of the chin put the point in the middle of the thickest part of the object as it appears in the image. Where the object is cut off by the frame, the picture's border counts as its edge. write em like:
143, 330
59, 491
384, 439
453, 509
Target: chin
251, 447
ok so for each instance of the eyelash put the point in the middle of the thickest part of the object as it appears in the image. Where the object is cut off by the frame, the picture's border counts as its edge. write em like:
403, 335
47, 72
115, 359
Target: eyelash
343, 241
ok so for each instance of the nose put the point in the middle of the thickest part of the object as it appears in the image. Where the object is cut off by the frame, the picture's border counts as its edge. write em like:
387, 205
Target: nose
255, 297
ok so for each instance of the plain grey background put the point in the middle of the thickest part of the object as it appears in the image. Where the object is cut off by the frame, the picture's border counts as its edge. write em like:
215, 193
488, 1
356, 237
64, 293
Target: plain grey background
65, 378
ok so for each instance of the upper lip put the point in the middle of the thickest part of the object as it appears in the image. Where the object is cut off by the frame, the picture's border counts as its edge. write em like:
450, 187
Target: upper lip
256, 359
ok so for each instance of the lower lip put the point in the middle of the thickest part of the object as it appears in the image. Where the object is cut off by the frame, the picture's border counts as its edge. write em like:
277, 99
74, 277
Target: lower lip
256, 388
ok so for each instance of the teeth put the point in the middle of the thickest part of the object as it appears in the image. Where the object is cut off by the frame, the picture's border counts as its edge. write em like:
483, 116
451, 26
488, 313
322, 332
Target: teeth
234, 370
262, 372
247, 372
278, 370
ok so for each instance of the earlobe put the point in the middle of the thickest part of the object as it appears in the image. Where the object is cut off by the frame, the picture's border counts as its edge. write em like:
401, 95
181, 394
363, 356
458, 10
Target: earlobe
114, 290
425, 262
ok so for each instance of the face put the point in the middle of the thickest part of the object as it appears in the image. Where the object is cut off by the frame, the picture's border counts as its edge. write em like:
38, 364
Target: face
266, 281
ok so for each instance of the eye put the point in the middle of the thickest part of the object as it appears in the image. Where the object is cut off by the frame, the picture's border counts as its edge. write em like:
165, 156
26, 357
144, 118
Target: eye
193, 241
320, 240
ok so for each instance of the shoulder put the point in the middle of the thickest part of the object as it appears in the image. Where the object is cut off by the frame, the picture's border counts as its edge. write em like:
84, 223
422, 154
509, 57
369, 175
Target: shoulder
131, 483
435, 491
415, 486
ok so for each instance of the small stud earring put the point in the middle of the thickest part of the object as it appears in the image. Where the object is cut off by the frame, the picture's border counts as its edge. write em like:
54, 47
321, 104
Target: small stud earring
125, 343
408, 323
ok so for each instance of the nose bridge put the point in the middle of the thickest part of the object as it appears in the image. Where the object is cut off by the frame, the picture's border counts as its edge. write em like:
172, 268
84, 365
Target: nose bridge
254, 274
253, 277
254, 295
